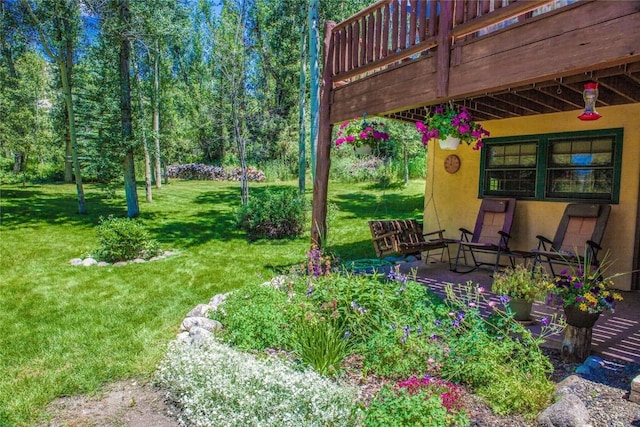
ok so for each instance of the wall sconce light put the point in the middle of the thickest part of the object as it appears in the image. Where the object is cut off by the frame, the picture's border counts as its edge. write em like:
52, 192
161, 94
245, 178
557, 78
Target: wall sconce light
590, 96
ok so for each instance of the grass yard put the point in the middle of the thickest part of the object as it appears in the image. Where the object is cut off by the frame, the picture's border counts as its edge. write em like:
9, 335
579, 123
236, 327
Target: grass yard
70, 329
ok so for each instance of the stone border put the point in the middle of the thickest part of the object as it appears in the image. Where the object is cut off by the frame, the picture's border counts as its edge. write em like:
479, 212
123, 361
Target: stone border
90, 261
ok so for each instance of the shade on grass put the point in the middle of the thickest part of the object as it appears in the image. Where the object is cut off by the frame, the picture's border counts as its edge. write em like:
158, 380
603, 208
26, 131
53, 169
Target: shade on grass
69, 329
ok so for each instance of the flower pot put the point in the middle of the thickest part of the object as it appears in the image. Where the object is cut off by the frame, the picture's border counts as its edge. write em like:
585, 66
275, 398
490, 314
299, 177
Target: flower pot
580, 319
363, 150
521, 309
449, 143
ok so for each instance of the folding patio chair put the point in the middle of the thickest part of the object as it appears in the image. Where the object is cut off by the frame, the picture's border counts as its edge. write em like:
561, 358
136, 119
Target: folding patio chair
578, 236
490, 236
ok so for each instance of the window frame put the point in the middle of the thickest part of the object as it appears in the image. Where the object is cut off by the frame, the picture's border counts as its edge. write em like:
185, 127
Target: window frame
542, 168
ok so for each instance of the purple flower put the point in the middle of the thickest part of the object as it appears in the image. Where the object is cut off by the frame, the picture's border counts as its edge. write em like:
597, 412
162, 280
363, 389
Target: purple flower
544, 321
504, 299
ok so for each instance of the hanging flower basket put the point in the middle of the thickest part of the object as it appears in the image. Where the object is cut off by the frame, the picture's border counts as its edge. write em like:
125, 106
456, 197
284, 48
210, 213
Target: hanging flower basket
363, 135
446, 121
449, 143
363, 150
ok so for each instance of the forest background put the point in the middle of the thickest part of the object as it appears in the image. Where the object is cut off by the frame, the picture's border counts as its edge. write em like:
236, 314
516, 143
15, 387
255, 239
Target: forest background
102, 90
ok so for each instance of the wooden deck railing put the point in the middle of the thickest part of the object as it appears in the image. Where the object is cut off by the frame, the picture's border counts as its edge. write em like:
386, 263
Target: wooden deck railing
390, 31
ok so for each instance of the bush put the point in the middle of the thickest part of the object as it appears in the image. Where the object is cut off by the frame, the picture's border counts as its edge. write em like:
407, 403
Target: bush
199, 171
274, 215
426, 402
217, 386
256, 317
122, 239
499, 358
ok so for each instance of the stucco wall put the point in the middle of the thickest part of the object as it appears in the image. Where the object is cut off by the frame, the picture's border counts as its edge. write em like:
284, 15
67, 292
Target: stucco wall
451, 201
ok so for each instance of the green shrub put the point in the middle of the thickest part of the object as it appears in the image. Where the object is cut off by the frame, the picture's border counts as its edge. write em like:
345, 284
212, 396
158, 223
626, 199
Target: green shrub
498, 357
274, 215
256, 317
425, 402
122, 239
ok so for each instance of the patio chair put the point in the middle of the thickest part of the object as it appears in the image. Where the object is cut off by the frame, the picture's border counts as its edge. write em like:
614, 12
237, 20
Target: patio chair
490, 236
578, 236
405, 236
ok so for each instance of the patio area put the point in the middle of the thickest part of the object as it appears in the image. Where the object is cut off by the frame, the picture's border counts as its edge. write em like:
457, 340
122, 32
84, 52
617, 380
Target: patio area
615, 335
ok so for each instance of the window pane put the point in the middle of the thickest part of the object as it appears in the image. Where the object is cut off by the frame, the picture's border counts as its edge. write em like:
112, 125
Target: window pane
513, 155
520, 182
580, 182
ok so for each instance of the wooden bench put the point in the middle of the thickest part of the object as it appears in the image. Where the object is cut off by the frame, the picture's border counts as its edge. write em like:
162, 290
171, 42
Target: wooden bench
405, 236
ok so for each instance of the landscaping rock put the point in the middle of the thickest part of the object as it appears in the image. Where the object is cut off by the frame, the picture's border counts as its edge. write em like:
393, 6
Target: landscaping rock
201, 310
201, 322
103, 264
634, 394
89, 261
217, 301
139, 260
183, 337
76, 261
119, 263
198, 334
569, 411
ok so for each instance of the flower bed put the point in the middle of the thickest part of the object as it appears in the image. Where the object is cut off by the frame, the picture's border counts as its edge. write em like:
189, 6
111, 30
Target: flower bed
402, 335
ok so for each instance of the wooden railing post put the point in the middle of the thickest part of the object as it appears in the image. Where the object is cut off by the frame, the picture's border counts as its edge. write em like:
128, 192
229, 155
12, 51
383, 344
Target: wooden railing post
321, 183
445, 23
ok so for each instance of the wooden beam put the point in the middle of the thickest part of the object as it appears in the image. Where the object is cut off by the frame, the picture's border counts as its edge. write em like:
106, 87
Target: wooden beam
444, 49
560, 45
321, 184
497, 16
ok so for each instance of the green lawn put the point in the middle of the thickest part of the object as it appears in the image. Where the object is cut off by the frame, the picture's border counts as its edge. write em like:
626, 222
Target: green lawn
70, 329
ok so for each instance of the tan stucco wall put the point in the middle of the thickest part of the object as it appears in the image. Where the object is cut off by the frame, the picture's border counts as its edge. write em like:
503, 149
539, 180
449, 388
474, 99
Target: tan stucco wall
451, 201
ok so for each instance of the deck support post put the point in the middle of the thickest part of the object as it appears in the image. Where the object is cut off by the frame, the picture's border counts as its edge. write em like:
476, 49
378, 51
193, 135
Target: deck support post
321, 181
444, 49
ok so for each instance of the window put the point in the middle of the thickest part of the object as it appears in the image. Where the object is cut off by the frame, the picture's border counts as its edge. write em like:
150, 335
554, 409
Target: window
568, 166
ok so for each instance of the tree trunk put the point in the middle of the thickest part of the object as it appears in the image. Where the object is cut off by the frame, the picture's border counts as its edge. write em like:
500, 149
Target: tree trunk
143, 135
406, 164
314, 75
131, 193
302, 95
576, 343
68, 153
156, 113
68, 99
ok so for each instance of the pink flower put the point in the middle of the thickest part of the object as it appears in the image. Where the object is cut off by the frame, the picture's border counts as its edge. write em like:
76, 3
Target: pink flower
363, 135
351, 138
340, 141
344, 125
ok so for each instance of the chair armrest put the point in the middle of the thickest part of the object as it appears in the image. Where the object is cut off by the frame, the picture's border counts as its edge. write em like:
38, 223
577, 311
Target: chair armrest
439, 233
384, 236
465, 231
594, 245
543, 239
504, 234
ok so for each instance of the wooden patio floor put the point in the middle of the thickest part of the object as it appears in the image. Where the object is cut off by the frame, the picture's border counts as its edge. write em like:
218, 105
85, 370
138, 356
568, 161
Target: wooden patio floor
615, 335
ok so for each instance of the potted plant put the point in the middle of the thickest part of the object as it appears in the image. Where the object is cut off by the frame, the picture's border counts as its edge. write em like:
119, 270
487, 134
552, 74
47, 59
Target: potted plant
523, 287
584, 292
363, 135
446, 124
